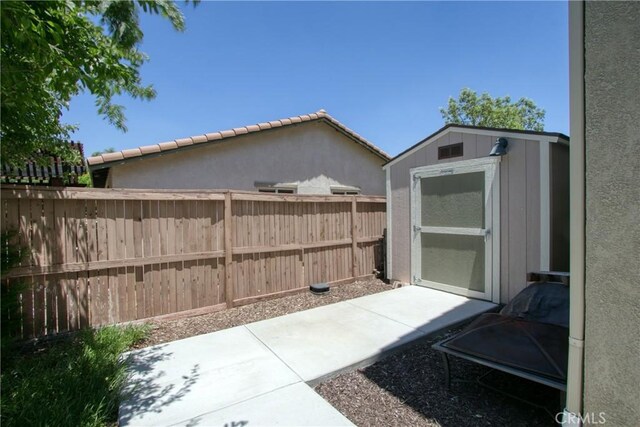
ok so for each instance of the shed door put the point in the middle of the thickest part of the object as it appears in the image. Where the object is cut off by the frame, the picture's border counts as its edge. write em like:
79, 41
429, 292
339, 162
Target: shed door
455, 224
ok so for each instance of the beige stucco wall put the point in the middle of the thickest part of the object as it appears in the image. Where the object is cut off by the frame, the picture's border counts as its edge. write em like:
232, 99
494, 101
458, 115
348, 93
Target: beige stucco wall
520, 194
312, 155
612, 246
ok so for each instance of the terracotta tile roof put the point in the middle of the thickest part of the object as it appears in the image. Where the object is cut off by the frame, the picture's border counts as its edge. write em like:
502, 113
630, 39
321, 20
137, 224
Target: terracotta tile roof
162, 147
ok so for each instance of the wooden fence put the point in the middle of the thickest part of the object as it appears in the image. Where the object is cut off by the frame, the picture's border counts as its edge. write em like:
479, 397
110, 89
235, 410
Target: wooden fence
96, 257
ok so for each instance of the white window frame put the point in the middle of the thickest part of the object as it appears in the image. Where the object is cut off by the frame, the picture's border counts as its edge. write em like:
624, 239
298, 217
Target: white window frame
490, 166
344, 190
277, 190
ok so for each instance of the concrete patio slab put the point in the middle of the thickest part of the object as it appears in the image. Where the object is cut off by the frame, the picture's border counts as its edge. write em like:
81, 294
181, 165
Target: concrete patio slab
294, 405
422, 308
185, 378
325, 340
257, 373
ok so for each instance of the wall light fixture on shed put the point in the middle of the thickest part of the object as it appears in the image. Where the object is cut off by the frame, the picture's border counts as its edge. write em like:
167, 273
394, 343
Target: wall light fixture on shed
500, 147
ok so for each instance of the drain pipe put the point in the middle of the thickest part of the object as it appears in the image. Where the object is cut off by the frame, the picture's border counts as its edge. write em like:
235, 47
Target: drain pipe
575, 371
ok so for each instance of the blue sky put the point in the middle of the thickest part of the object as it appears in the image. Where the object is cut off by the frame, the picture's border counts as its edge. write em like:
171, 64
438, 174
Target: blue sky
381, 68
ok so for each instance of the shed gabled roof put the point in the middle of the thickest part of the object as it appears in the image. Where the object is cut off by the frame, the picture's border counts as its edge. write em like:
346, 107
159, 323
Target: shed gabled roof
556, 136
110, 159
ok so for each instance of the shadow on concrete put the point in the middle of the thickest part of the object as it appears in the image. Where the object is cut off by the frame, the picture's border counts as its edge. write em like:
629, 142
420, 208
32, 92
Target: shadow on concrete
196, 421
145, 390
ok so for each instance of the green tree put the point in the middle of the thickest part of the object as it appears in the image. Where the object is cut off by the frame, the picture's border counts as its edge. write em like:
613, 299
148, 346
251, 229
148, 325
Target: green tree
484, 110
54, 50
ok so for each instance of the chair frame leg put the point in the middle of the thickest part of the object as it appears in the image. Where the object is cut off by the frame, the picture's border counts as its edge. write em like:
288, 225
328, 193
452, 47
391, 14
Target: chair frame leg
447, 371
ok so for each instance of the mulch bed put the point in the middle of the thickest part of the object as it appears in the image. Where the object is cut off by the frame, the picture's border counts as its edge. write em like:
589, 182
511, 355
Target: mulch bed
165, 331
407, 389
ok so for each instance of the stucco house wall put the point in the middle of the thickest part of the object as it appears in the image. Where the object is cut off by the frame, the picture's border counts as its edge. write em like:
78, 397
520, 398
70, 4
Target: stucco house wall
314, 156
521, 204
612, 191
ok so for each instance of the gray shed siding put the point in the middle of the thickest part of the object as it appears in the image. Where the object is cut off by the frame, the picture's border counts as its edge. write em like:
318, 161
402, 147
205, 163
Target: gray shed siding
312, 155
520, 244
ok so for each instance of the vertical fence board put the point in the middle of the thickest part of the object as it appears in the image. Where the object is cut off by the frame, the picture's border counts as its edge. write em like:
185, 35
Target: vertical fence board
39, 250
49, 292
62, 303
49, 232
60, 232
28, 315
120, 231
112, 295
81, 228
147, 291
24, 209
39, 304
69, 225
92, 230
186, 286
154, 227
84, 309
101, 224
172, 288
111, 232
156, 290
71, 284
129, 245
122, 312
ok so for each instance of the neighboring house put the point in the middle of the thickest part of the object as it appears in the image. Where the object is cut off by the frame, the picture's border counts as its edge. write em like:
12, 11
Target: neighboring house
463, 221
604, 357
308, 154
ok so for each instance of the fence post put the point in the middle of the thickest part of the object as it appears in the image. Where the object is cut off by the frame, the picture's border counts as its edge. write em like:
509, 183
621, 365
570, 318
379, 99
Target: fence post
298, 241
354, 237
228, 250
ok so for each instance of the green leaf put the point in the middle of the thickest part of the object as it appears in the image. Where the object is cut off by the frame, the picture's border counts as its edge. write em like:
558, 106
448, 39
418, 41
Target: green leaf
54, 50
486, 111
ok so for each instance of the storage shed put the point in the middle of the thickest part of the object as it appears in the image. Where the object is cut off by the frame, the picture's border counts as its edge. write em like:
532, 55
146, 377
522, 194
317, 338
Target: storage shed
471, 223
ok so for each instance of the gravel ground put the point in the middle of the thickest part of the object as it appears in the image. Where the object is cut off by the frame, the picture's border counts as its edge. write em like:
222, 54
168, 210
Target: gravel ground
165, 331
407, 389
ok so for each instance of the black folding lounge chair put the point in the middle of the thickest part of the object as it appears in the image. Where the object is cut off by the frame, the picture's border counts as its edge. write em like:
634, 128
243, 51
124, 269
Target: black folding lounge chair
528, 338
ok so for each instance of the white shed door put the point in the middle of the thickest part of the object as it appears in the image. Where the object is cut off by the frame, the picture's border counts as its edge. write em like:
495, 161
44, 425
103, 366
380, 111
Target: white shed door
455, 223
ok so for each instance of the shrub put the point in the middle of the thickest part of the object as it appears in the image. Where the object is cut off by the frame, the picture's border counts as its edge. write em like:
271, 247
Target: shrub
75, 382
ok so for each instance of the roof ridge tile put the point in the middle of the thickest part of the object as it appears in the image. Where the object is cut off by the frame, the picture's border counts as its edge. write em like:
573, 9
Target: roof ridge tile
213, 136
199, 139
321, 114
169, 145
184, 141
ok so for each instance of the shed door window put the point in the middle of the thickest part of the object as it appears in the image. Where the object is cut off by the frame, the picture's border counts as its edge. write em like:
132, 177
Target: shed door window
453, 200
454, 221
